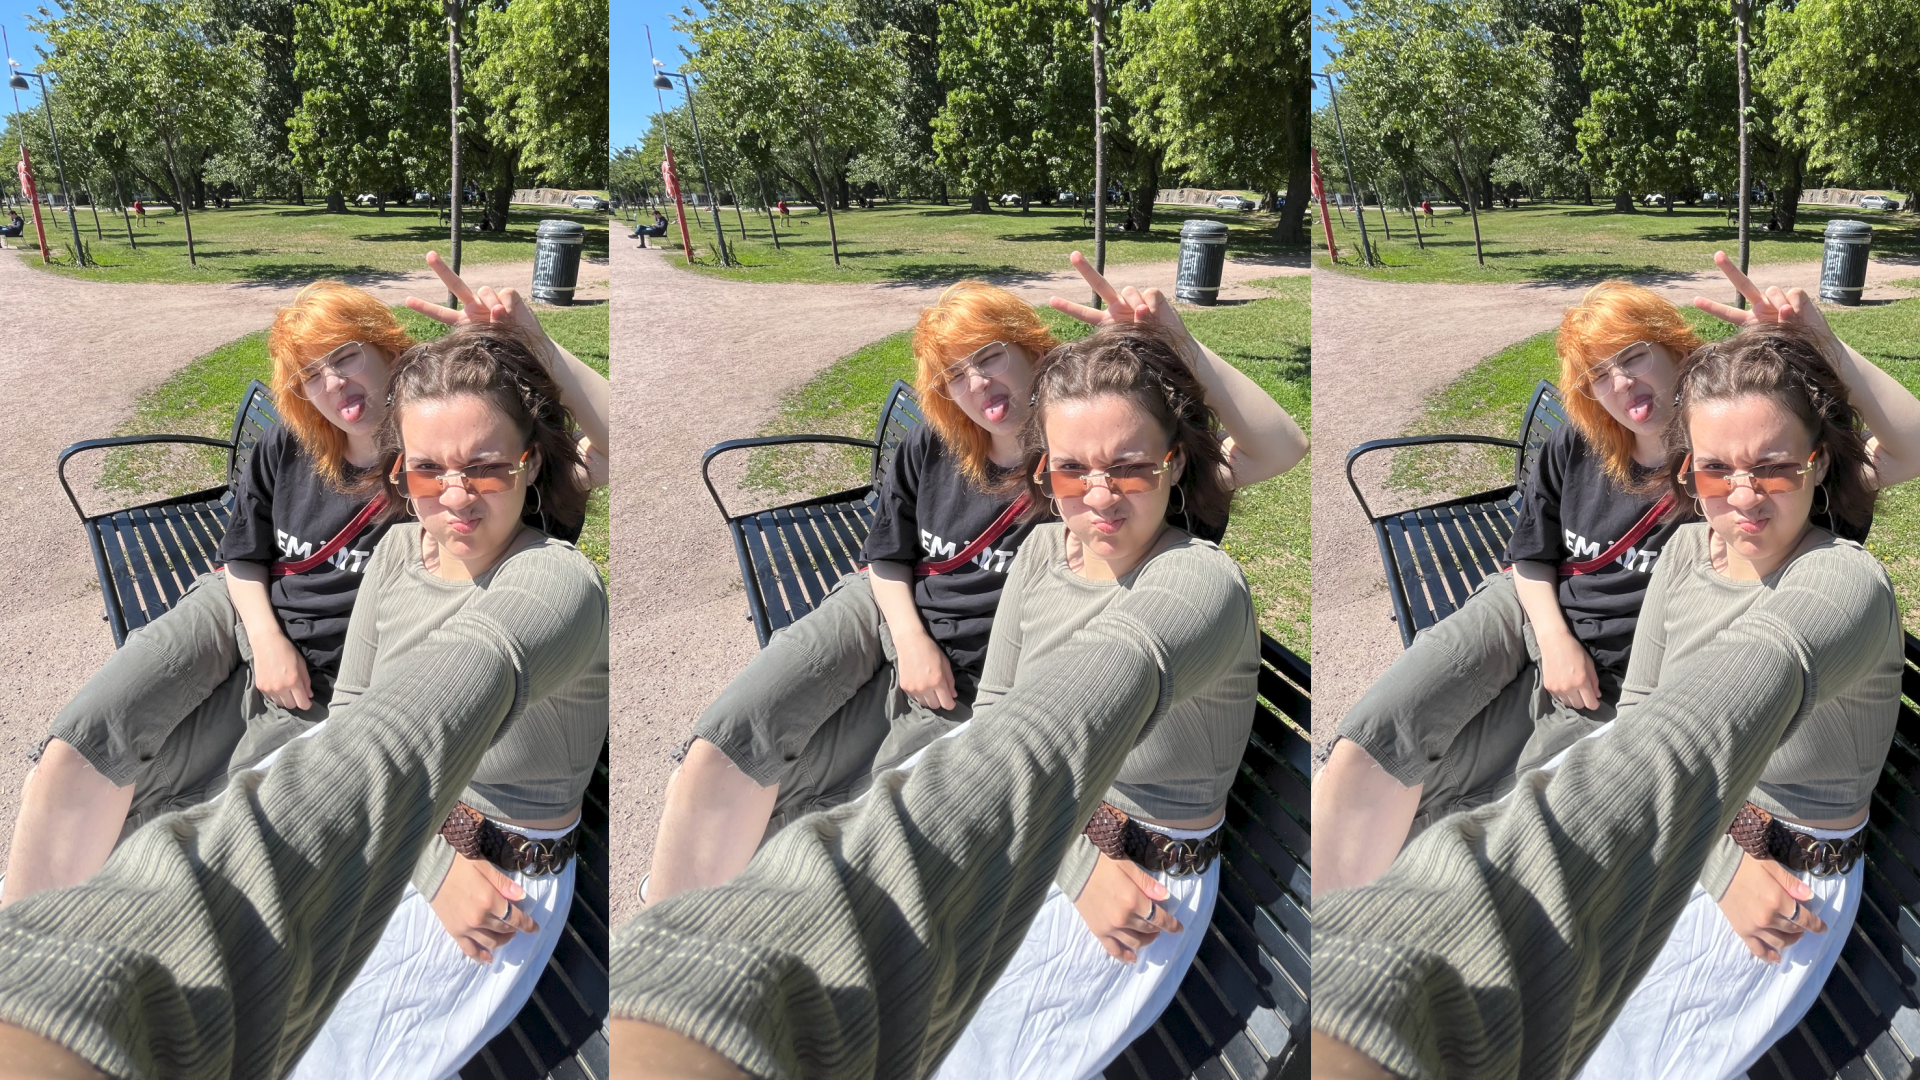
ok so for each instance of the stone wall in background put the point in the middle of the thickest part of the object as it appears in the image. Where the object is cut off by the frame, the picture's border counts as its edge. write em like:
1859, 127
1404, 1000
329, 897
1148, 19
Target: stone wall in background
542, 196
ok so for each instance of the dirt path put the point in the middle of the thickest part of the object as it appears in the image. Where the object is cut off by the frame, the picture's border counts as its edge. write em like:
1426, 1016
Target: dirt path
701, 360
74, 360
1379, 349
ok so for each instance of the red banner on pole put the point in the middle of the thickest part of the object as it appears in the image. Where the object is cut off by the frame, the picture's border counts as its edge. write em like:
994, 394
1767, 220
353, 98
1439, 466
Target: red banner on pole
1320, 193
33, 199
672, 179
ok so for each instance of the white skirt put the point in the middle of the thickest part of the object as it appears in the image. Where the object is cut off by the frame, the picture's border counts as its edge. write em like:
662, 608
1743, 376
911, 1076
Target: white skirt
1063, 1008
420, 1009
1709, 1008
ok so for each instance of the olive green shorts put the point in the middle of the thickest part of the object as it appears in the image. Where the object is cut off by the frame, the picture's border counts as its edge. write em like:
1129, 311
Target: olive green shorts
174, 712
820, 711
1462, 711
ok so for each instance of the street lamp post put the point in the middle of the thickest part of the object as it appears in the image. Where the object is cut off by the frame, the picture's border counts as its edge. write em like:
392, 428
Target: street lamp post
19, 82
1360, 211
661, 81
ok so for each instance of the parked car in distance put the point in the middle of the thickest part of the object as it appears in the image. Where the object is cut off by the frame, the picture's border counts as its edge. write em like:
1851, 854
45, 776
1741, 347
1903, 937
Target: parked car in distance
422, 198
1656, 199
1233, 202
1709, 198
590, 202
1878, 202
1011, 200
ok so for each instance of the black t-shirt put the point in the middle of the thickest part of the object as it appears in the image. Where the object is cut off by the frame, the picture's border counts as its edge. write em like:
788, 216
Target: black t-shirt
284, 512
927, 511
1573, 510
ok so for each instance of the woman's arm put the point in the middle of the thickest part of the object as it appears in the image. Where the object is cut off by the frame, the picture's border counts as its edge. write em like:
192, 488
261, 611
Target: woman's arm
1890, 410
926, 675
279, 671
1262, 440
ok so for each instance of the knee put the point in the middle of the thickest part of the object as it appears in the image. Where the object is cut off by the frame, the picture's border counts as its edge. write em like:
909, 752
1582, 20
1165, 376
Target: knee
60, 761
705, 760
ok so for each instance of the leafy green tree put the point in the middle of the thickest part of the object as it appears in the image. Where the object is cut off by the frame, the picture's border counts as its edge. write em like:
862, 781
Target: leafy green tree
907, 160
1548, 156
1019, 110
1193, 70
155, 73
373, 114
1845, 73
1662, 112
1436, 72
542, 75
792, 70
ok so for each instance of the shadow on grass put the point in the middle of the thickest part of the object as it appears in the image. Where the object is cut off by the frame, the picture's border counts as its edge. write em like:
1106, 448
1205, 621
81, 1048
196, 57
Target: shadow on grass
274, 274
1594, 272
937, 273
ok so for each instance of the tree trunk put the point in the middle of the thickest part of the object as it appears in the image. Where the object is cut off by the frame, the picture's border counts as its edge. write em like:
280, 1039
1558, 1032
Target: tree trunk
1586, 192
1098, 9
833, 235
845, 192
336, 202
456, 190
1746, 140
977, 202
186, 215
125, 218
1460, 159
299, 192
940, 190
1623, 203
1786, 194
380, 203
1486, 191
1140, 207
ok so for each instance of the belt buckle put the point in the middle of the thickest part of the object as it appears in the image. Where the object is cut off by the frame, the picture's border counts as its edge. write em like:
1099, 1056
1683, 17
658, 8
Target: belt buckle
1830, 858
1182, 857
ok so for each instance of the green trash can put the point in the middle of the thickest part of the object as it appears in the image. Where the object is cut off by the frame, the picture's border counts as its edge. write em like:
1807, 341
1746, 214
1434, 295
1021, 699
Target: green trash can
556, 261
1843, 269
1203, 258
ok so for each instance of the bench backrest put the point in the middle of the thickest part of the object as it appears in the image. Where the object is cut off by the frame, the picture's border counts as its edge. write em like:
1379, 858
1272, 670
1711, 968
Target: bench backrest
1545, 413
257, 414
901, 415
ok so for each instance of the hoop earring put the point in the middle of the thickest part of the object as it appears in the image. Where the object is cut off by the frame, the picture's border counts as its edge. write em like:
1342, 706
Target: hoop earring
412, 510
1182, 492
536, 509
1827, 508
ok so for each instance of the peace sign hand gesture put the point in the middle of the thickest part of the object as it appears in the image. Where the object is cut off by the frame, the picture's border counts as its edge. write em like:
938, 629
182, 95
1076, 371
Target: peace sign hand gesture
486, 305
1774, 305
1125, 305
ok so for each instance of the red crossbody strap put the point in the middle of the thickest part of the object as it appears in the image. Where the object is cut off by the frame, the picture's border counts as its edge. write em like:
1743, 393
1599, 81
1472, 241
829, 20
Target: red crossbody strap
971, 551
341, 539
1640, 529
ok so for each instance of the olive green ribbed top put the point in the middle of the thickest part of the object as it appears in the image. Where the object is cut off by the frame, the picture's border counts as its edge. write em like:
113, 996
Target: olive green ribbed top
215, 940
1504, 941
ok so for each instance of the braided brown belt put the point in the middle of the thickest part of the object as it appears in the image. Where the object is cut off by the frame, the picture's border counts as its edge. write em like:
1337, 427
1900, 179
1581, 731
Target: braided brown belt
1120, 837
1759, 835
474, 836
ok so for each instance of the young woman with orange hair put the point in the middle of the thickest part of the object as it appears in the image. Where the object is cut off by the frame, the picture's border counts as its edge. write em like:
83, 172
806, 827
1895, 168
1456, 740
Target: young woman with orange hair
1534, 660
246, 660
891, 659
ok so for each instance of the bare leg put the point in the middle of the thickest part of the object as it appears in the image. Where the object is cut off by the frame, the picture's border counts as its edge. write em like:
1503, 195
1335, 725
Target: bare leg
1361, 815
70, 818
713, 821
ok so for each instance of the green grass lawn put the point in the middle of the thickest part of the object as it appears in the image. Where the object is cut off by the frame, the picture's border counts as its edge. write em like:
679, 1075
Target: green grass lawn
1564, 242
271, 242
919, 242
200, 399
1266, 338
1490, 398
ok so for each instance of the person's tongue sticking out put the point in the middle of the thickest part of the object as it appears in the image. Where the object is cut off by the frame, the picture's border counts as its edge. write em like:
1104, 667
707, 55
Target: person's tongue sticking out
992, 385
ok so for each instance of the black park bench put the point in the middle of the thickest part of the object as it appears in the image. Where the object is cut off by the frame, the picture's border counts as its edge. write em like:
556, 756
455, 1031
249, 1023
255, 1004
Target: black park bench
147, 555
1866, 1024
1242, 1010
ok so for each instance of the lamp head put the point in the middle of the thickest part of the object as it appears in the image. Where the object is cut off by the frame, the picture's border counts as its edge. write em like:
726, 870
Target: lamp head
660, 82
18, 81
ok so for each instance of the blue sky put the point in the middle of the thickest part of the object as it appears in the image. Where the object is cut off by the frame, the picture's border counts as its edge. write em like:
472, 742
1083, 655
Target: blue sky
1322, 41
24, 42
631, 81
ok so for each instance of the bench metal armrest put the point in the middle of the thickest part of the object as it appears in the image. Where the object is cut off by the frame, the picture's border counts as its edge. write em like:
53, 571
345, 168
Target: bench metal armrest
124, 440
1366, 448
730, 445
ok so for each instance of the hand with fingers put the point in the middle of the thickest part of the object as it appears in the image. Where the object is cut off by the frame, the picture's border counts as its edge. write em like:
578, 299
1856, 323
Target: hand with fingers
280, 673
1121, 906
483, 305
1123, 305
1772, 305
925, 673
1767, 906
475, 904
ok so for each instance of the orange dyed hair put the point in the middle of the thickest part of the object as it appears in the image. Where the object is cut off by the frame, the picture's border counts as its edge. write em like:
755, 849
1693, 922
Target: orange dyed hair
324, 316
970, 314
1610, 317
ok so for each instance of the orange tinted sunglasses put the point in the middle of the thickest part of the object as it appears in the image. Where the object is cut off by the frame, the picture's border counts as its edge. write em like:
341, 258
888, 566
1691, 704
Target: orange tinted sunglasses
486, 479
